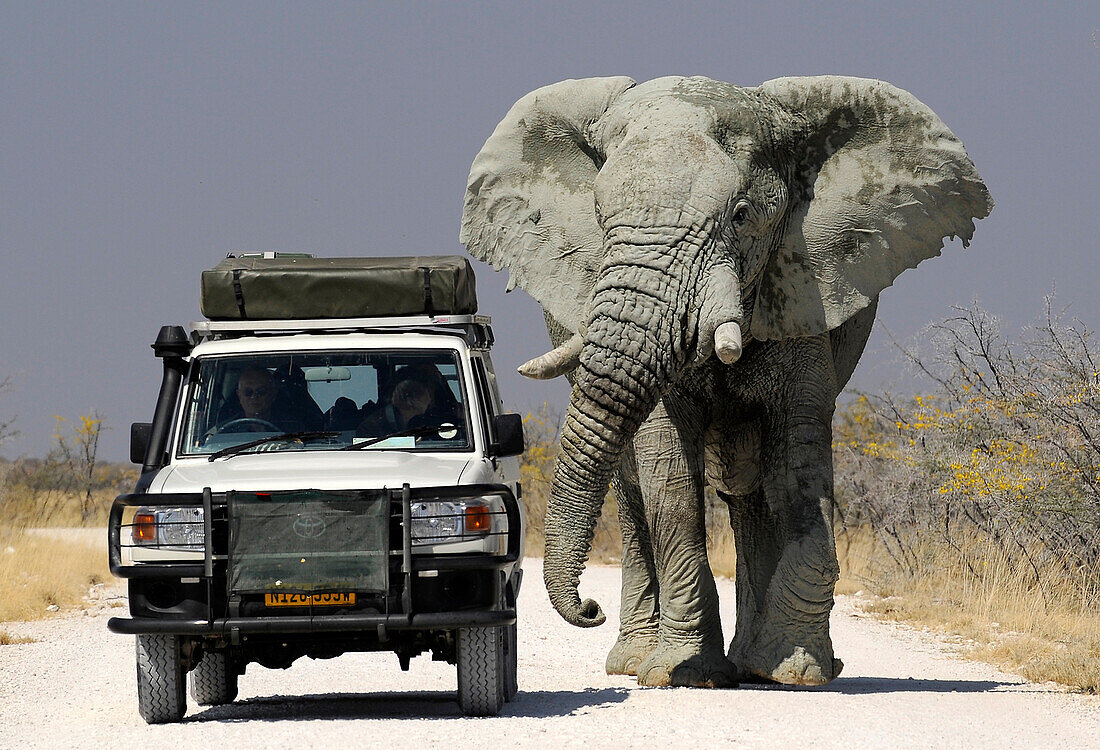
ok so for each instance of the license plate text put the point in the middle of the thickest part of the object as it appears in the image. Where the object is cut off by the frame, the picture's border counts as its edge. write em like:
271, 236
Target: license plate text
306, 600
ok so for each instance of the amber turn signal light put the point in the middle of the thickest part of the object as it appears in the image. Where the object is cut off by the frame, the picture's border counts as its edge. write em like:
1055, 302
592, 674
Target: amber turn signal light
478, 519
145, 528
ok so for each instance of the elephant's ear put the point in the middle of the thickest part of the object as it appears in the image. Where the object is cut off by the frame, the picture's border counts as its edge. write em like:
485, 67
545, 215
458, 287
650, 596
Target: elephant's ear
530, 204
878, 183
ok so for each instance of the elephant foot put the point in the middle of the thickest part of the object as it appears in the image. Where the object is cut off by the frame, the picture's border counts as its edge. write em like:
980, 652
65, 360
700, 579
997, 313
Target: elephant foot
686, 666
799, 667
629, 652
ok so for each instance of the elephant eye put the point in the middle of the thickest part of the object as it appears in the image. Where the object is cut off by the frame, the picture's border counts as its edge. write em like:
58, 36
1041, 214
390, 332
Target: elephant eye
740, 215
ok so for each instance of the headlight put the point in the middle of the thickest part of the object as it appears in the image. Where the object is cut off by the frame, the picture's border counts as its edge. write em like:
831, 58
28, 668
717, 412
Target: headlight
442, 521
178, 528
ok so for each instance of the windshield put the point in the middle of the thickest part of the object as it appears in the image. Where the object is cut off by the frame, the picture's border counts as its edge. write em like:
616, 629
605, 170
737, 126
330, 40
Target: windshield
354, 398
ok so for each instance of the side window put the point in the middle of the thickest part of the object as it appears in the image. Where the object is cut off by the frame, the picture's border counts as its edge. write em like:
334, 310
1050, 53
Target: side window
498, 404
488, 405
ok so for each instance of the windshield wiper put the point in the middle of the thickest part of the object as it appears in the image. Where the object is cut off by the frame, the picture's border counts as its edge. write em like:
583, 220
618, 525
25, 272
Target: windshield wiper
299, 436
408, 432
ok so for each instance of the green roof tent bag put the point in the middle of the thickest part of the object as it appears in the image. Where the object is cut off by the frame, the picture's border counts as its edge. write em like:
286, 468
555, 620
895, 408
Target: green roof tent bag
297, 287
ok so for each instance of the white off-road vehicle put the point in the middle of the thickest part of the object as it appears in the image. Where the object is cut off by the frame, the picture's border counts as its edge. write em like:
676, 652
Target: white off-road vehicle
317, 482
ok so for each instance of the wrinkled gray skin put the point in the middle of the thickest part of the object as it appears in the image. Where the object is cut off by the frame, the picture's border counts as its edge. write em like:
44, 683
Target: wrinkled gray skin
709, 258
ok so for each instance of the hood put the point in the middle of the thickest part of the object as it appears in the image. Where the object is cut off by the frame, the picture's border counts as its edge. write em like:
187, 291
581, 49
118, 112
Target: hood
317, 470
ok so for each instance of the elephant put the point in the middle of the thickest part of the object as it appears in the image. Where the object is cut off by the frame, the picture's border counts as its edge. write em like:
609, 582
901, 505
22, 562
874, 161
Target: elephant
709, 259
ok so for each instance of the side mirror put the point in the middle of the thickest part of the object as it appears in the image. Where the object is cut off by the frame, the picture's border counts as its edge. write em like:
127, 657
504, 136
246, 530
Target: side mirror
139, 441
509, 431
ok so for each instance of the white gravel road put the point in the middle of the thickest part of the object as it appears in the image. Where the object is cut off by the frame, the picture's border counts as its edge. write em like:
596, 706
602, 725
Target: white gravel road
74, 687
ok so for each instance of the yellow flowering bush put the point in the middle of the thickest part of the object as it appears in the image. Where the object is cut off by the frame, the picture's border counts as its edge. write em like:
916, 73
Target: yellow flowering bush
1004, 449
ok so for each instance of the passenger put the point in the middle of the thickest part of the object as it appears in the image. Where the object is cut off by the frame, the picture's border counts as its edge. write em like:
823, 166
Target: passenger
412, 403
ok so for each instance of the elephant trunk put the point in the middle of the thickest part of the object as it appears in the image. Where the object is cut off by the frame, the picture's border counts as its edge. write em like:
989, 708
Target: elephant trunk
613, 394
642, 332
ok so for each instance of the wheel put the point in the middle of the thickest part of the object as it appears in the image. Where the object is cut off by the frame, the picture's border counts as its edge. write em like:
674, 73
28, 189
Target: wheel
511, 665
214, 680
481, 671
161, 697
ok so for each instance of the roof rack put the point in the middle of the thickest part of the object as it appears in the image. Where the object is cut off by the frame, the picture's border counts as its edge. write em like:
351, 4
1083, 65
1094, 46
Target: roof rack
476, 329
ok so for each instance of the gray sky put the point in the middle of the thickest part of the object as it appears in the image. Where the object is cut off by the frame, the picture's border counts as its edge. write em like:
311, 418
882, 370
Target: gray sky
142, 141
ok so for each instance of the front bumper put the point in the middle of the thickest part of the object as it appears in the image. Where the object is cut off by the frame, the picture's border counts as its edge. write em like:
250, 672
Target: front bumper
314, 623
397, 608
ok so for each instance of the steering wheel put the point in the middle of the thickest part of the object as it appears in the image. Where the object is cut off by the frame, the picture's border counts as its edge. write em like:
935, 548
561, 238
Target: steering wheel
247, 420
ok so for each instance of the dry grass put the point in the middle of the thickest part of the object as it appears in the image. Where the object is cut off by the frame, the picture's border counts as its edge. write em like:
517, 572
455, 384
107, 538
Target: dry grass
7, 639
37, 571
23, 507
1045, 631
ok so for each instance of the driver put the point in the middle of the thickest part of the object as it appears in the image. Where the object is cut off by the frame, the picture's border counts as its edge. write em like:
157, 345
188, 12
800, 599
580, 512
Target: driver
256, 394
256, 391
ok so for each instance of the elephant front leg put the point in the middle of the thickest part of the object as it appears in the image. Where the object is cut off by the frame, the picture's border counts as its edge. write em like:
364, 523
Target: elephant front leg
690, 648
638, 613
787, 565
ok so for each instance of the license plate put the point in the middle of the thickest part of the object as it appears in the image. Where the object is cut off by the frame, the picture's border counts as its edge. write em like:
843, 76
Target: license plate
309, 600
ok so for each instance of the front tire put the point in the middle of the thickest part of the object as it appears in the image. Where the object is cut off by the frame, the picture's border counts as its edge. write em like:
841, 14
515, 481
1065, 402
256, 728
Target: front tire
161, 695
214, 679
481, 671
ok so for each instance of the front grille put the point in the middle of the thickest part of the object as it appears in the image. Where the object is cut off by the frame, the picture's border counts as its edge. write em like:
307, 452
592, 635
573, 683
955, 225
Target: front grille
308, 541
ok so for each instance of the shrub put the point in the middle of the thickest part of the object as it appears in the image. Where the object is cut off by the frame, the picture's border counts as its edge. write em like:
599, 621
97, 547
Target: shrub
1004, 454
976, 507
69, 486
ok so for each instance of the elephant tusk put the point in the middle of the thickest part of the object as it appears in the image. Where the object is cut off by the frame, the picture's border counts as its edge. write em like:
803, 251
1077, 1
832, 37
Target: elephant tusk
727, 342
556, 362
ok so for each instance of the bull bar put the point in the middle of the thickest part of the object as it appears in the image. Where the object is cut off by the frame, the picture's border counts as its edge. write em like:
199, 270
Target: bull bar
312, 623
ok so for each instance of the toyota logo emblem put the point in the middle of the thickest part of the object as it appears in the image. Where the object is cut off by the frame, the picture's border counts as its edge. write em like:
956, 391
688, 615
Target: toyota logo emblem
309, 526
